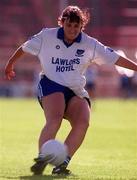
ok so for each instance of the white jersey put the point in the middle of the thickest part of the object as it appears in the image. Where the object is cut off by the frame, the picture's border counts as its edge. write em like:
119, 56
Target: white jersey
66, 65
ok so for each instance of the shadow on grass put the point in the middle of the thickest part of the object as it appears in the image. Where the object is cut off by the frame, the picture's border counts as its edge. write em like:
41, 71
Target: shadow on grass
40, 177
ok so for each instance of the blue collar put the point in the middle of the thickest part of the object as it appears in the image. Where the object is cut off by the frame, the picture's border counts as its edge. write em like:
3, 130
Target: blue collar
60, 35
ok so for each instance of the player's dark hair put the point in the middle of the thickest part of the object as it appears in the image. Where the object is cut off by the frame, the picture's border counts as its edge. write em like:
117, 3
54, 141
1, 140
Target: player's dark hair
74, 14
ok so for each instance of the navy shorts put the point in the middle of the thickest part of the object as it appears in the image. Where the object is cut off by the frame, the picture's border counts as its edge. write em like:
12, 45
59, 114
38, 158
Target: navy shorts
47, 86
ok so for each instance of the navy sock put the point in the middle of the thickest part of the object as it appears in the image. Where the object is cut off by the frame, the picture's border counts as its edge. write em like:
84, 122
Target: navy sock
67, 160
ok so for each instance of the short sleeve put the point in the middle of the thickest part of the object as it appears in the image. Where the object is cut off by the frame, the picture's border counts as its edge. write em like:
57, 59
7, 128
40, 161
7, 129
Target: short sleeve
104, 54
33, 45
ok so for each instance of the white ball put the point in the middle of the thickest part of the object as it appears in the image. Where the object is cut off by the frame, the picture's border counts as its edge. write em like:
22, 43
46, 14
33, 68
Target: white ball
54, 152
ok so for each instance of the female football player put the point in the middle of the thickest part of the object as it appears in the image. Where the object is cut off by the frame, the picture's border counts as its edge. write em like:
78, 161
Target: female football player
64, 53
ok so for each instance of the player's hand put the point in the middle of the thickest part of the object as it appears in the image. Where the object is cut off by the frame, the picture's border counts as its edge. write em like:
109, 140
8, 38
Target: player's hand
9, 72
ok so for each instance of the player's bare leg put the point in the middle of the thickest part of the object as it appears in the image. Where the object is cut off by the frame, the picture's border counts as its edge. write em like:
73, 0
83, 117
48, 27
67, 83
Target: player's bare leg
78, 113
53, 113
53, 106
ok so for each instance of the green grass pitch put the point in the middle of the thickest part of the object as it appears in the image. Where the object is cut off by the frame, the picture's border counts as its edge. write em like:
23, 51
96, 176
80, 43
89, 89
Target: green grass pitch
109, 151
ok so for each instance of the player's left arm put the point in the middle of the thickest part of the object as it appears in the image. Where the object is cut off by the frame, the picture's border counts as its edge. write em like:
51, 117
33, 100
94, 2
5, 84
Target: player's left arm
126, 63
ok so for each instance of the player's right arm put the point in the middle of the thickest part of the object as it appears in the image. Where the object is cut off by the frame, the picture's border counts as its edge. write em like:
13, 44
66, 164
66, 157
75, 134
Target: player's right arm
32, 46
9, 68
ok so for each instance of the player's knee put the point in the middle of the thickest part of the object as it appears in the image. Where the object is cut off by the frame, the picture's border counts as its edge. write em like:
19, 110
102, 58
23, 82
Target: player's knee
84, 121
52, 127
54, 123
81, 124
84, 124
